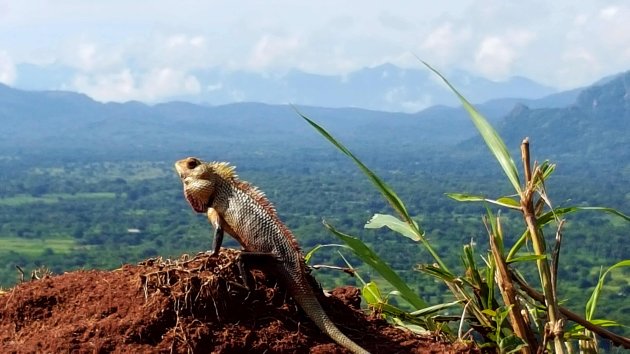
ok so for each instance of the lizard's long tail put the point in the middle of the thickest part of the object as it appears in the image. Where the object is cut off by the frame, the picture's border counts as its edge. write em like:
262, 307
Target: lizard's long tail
314, 310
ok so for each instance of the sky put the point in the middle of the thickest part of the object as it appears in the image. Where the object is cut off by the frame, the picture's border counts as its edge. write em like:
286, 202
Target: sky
149, 49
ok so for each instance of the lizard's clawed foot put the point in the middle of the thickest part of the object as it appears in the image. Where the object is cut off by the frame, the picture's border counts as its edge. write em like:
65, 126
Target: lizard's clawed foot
213, 253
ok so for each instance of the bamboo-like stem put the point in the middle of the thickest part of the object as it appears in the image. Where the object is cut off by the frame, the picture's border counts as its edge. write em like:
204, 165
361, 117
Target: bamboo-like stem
555, 322
504, 281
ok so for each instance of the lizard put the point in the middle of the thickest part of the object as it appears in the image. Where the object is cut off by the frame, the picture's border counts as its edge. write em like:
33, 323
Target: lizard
243, 211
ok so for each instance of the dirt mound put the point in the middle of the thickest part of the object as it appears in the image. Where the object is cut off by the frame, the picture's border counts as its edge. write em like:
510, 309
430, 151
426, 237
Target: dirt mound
193, 305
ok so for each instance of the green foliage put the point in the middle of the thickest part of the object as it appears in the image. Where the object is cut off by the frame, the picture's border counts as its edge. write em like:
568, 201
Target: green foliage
388, 194
369, 257
489, 135
502, 336
591, 305
382, 187
506, 202
504, 326
381, 220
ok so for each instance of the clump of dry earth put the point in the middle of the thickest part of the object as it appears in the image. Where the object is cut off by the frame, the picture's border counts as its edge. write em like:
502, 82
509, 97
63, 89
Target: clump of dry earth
195, 305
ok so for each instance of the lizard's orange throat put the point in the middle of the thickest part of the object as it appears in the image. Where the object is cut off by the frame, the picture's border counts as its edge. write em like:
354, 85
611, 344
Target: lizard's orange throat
198, 204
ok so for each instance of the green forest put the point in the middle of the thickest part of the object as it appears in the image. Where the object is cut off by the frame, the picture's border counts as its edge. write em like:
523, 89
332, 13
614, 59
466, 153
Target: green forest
65, 215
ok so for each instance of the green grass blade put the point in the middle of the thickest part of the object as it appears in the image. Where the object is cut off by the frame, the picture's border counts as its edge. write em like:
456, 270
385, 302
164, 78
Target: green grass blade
309, 254
489, 135
438, 273
387, 192
518, 244
490, 272
526, 258
503, 201
601, 323
550, 216
381, 220
591, 305
557, 212
435, 308
368, 256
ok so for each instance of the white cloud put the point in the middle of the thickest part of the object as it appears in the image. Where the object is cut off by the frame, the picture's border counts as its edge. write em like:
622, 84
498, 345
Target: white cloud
7, 69
120, 86
395, 22
580, 19
152, 86
273, 51
179, 41
608, 12
237, 95
594, 45
151, 69
496, 55
214, 87
90, 56
446, 41
86, 54
537, 39
164, 82
398, 96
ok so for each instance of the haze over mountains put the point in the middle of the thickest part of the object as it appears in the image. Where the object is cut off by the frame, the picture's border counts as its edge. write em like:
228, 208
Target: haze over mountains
594, 120
385, 87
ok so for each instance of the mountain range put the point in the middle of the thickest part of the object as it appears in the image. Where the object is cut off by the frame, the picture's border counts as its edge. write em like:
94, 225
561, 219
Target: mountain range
385, 87
592, 121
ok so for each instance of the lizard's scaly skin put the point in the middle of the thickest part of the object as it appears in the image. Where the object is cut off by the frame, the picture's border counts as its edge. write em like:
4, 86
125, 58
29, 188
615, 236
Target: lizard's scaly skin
245, 213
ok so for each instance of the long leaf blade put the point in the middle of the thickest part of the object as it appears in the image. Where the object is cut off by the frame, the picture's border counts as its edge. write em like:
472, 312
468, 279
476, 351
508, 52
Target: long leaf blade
503, 201
489, 135
368, 256
388, 193
393, 223
435, 308
557, 212
591, 305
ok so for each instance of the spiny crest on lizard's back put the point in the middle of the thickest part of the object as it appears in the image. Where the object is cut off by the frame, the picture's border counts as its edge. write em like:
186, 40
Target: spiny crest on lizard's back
224, 170
228, 172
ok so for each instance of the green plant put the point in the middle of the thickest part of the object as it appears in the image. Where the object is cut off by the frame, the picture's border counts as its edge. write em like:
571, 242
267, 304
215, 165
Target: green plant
508, 323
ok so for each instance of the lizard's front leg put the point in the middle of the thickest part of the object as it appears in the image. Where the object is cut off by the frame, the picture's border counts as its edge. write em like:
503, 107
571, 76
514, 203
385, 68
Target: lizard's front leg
215, 220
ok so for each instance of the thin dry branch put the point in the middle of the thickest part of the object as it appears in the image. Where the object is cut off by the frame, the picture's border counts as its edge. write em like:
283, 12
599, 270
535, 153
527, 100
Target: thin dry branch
616, 339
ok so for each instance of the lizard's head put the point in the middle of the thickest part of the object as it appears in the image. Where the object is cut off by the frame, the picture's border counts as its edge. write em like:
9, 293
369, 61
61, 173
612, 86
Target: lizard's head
198, 180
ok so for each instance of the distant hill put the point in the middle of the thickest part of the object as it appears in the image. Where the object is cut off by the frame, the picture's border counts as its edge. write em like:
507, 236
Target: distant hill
596, 126
595, 119
592, 132
385, 87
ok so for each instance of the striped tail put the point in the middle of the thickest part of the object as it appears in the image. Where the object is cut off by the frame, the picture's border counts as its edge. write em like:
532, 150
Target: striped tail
314, 310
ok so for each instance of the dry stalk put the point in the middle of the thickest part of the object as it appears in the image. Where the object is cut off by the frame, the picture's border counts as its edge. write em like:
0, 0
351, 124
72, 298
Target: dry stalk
509, 294
538, 242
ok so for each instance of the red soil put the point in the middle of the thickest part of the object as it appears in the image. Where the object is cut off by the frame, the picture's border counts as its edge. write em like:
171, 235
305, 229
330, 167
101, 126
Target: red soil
194, 306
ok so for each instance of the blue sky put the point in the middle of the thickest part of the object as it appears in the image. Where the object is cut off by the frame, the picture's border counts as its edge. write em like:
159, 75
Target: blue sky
148, 49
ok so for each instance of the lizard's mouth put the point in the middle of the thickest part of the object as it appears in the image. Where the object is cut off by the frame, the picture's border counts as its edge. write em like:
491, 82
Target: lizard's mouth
181, 171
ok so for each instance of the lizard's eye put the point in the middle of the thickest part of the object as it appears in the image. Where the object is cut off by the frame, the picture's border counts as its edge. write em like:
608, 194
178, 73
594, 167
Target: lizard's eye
192, 163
